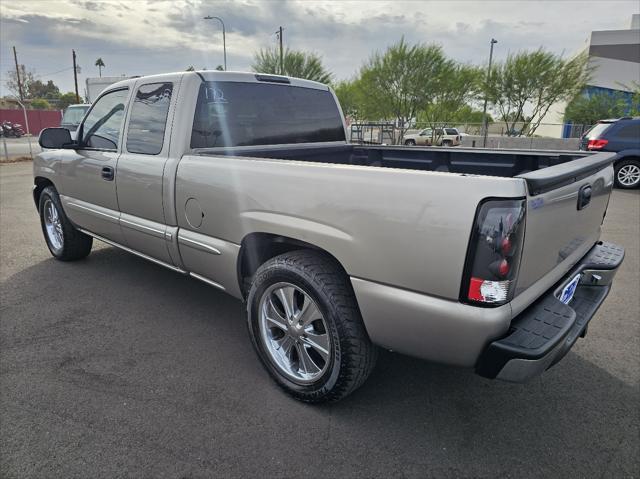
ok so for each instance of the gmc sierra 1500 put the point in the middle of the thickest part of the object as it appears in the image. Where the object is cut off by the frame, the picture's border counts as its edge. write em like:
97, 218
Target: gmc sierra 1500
480, 258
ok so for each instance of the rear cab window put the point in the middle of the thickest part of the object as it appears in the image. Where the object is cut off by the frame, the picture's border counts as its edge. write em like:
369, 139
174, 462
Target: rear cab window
232, 114
451, 131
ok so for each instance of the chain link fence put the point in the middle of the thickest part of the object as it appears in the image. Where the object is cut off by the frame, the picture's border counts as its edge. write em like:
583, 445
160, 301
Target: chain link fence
388, 133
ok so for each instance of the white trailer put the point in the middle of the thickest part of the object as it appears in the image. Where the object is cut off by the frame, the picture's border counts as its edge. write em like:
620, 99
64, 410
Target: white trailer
96, 85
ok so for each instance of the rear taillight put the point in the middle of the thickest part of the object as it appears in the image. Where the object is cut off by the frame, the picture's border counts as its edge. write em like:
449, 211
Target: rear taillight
493, 258
596, 144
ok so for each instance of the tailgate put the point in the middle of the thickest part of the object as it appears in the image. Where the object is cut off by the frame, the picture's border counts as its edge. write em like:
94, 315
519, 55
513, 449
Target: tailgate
565, 210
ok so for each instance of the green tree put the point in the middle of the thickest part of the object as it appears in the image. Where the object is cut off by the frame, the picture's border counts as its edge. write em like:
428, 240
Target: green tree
349, 95
100, 64
589, 109
528, 83
40, 104
220, 68
403, 81
65, 100
191, 68
26, 78
297, 64
38, 89
461, 85
467, 114
634, 105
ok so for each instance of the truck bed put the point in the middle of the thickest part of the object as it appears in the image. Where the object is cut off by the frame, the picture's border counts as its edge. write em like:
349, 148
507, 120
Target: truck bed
472, 161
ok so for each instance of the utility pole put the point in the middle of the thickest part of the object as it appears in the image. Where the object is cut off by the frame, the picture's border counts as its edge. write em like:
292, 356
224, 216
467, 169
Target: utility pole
75, 75
281, 52
15, 57
484, 109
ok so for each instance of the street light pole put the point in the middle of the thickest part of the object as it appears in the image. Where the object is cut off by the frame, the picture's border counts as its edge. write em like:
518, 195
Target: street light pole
484, 109
224, 40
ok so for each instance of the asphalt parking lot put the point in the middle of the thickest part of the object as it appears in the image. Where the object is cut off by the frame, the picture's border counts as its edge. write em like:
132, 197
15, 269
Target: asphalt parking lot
116, 367
18, 147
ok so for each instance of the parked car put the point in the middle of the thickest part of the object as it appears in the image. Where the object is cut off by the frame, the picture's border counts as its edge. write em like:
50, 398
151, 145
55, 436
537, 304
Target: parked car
73, 115
620, 135
247, 183
439, 137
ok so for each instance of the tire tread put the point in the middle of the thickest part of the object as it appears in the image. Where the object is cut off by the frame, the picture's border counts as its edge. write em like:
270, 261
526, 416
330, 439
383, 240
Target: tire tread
358, 354
76, 245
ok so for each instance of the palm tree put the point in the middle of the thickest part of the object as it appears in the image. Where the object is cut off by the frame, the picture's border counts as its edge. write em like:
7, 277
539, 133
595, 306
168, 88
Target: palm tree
296, 64
100, 65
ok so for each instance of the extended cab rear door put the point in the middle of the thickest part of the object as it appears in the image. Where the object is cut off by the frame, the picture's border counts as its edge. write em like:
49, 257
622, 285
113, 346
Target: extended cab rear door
141, 166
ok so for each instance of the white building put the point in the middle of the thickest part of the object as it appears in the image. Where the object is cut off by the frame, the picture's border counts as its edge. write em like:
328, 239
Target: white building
614, 56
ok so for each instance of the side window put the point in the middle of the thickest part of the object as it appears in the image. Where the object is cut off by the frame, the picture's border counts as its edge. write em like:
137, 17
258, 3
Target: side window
630, 132
101, 128
149, 118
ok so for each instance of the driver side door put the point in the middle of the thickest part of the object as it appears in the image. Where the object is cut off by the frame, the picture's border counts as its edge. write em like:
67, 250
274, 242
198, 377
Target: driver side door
89, 198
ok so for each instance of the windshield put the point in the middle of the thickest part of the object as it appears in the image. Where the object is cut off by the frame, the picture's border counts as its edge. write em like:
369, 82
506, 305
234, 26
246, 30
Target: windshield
73, 114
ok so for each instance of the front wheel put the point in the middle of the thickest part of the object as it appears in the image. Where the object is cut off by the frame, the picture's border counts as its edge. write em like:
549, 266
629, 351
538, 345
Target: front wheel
306, 327
410, 143
65, 242
627, 174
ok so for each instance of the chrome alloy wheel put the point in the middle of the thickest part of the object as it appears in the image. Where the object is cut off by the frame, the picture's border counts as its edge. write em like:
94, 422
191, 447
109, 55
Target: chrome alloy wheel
294, 333
53, 225
629, 175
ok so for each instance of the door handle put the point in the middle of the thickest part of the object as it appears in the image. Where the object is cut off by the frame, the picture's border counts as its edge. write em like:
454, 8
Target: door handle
107, 173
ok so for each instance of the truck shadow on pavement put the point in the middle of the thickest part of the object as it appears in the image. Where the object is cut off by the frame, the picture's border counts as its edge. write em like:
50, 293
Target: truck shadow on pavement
152, 364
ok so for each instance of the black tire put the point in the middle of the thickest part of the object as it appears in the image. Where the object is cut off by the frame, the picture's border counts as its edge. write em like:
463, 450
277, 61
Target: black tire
622, 168
352, 357
75, 244
410, 143
447, 143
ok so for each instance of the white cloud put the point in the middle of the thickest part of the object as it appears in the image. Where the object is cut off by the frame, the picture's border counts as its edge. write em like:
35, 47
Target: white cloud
143, 37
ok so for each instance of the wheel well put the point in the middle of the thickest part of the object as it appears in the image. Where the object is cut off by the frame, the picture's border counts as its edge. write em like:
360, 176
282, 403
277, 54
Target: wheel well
40, 184
258, 248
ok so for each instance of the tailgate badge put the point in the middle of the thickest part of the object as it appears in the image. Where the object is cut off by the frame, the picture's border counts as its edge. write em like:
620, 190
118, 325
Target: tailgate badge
584, 197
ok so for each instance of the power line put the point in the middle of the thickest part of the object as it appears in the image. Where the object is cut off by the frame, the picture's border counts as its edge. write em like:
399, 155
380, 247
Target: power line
52, 73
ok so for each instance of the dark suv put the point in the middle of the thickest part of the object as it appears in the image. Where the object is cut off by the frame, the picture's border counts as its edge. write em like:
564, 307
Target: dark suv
621, 135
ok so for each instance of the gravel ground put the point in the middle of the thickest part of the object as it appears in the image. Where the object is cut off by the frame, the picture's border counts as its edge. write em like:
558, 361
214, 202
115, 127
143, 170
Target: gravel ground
116, 367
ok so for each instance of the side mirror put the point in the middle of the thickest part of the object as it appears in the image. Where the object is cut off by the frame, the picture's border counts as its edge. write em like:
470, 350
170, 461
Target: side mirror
55, 138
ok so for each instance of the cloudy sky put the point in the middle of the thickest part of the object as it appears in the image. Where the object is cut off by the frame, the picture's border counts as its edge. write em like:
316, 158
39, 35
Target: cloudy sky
139, 37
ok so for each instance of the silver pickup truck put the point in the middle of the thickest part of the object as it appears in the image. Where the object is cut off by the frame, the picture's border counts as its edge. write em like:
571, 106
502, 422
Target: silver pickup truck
485, 259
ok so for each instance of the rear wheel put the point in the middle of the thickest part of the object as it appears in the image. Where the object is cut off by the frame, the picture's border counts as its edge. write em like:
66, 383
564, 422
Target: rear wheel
627, 174
410, 143
306, 327
65, 242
